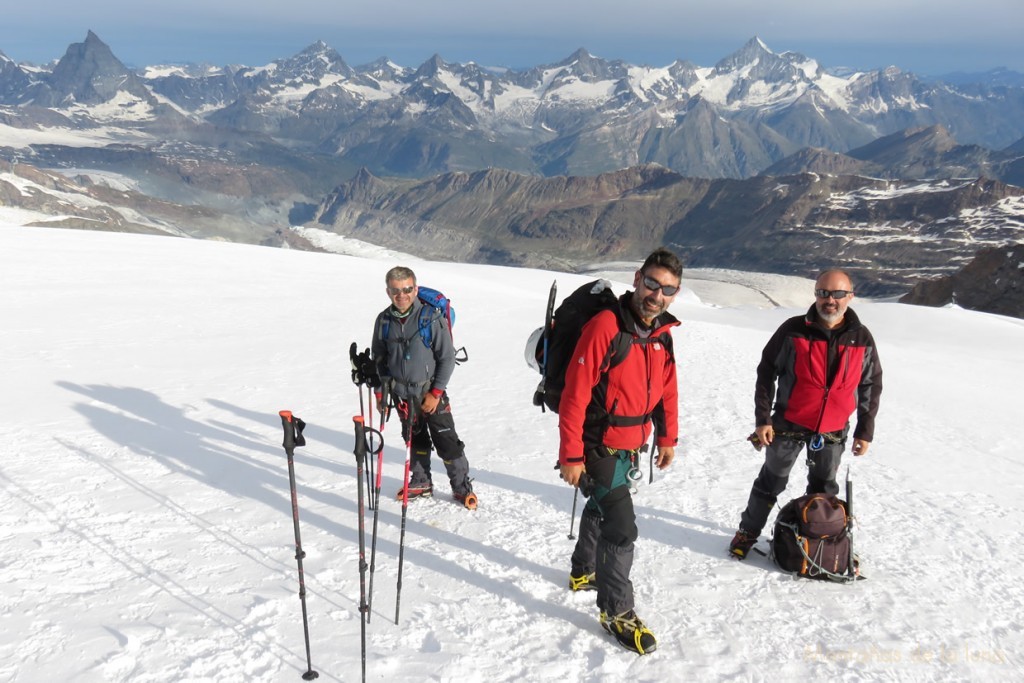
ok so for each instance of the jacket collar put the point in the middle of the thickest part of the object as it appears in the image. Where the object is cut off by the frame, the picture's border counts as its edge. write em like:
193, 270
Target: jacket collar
413, 310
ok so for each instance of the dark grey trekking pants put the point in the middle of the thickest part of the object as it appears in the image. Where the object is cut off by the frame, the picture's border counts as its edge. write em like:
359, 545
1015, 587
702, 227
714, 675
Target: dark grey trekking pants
608, 530
437, 430
779, 458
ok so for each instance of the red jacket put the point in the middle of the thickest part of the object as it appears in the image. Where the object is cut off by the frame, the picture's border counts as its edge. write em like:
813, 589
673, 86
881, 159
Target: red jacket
643, 387
822, 378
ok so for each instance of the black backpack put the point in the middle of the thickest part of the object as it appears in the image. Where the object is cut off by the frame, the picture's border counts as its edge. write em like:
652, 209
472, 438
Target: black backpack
812, 539
567, 324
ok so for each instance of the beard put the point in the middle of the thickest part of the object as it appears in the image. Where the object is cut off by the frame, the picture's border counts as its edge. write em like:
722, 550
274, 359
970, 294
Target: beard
648, 308
829, 316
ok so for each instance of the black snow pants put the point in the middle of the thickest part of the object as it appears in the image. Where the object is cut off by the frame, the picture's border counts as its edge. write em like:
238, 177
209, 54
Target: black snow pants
779, 458
437, 430
608, 529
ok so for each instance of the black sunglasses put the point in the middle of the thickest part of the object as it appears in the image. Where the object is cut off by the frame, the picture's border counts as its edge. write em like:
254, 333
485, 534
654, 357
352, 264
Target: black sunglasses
653, 285
395, 291
834, 293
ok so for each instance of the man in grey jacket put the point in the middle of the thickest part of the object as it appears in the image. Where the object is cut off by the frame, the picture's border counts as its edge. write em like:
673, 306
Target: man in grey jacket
415, 357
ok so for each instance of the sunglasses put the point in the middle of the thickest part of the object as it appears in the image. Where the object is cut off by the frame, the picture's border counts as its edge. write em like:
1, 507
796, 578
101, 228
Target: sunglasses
834, 293
395, 291
653, 285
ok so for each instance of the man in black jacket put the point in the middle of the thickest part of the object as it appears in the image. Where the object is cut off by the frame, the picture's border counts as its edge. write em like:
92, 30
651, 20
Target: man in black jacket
826, 367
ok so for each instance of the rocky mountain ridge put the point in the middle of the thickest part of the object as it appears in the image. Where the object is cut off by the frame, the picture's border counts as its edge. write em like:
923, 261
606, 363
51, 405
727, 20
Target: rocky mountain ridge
928, 152
992, 282
890, 233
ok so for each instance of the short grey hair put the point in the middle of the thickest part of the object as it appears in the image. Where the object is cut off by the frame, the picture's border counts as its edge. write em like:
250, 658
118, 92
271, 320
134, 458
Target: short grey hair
399, 273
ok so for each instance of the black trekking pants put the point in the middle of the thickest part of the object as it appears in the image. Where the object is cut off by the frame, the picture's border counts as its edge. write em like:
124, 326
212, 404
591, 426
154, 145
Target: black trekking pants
779, 458
608, 529
437, 430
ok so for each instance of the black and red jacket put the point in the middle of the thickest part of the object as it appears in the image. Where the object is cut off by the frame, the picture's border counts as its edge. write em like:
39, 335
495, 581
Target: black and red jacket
615, 406
824, 376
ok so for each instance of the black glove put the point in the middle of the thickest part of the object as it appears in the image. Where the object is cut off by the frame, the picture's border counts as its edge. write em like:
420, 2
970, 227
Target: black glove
364, 370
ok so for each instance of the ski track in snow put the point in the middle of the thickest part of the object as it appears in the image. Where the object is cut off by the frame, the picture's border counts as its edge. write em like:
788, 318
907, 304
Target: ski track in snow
146, 519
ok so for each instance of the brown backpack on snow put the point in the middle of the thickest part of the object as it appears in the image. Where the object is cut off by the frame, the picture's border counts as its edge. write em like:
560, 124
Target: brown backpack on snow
812, 539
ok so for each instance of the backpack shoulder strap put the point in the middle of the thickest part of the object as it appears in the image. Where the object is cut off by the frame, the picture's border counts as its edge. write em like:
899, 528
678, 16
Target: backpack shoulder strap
428, 314
618, 349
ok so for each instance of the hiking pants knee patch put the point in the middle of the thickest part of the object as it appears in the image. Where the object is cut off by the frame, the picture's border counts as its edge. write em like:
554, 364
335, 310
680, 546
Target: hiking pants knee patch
618, 523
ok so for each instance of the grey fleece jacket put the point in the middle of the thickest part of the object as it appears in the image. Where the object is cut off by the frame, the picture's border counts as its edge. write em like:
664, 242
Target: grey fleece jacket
405, 359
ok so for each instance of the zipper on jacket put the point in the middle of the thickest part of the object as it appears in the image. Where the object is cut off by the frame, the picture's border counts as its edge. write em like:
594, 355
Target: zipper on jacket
821, 413
841, 371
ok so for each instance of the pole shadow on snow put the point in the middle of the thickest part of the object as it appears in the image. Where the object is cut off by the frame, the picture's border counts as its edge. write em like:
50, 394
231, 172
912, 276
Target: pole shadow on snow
340, 440
154, 429
420, 557
143, 423
557, 493
120, 554
222, 458
676, 530
655, 524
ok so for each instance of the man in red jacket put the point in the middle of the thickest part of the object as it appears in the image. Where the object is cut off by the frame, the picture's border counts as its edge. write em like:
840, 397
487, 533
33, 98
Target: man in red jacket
827, 368
605, 418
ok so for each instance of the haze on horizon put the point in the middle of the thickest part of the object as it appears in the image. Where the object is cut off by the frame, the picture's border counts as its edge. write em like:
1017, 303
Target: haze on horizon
928, 37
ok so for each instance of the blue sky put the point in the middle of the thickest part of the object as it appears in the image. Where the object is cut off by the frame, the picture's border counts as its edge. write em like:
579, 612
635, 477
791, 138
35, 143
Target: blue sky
927, 37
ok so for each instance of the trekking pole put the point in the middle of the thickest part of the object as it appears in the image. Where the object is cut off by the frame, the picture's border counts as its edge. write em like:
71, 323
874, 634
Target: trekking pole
375, 496
654, 440
293, 427
572, 517
405, 411
851, 567
360, 453
368, 421
575, 497
364, 372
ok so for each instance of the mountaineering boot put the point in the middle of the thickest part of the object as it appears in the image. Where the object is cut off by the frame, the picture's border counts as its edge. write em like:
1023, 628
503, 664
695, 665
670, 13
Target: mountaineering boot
467, 499
741, 544
463, 492
582, 582
630, 632
424, 490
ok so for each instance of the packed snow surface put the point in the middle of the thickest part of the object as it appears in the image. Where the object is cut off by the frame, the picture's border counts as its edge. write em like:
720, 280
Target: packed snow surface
146, 529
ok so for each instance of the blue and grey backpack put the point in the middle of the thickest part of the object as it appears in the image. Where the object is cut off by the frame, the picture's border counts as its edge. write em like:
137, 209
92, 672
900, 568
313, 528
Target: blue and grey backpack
435, 304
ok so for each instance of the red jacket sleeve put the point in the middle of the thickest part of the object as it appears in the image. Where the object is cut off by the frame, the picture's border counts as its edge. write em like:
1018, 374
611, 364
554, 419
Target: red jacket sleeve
668, 434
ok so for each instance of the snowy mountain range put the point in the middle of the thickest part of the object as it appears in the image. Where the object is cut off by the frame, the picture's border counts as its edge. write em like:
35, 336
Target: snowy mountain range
544, 166
581, 116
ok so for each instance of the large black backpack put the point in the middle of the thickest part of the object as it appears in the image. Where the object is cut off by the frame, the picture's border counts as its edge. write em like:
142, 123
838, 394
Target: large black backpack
567, 323
812, 539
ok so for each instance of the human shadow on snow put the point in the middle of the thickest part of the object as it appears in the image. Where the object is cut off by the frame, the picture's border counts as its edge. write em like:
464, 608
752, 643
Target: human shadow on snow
236, 461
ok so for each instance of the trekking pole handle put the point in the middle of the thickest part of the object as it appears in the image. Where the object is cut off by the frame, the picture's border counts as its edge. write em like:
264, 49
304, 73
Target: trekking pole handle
293, 427
360, 430
289, 433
